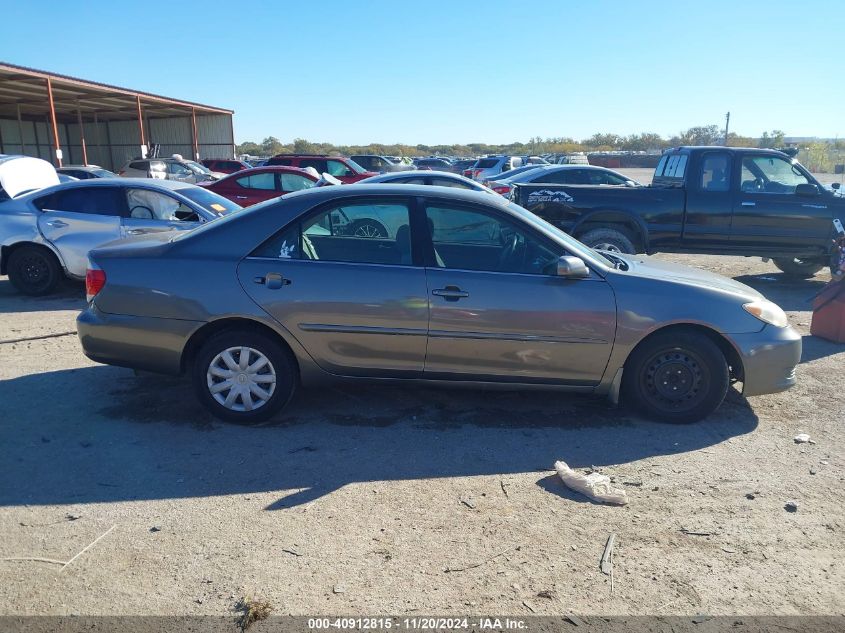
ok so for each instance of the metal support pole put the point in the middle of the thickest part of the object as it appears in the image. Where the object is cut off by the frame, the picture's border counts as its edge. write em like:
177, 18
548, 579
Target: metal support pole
82, 136
141, 122
97, 139
20, 129
194, 133
232, 131
53, 119
727, 125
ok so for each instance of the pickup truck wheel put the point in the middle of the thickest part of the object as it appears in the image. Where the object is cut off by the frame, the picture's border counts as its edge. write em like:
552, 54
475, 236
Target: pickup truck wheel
612, 240
798, 267
244, 377
678, 377
34, 270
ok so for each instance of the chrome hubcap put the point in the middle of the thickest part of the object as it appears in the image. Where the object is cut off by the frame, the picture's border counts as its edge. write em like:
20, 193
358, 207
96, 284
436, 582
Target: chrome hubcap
368, 230
241, 378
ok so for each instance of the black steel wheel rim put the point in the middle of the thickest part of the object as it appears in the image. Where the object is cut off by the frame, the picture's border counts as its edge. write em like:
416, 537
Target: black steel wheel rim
34, 271
675, 379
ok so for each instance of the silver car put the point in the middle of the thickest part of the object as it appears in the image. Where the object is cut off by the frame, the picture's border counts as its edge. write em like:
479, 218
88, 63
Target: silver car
45, 235
471, 289
173, 168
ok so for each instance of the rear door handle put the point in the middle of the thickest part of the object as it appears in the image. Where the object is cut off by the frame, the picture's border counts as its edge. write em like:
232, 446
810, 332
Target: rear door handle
240, 197
272, 281
749, 204
56, 224
450, 293
136, 231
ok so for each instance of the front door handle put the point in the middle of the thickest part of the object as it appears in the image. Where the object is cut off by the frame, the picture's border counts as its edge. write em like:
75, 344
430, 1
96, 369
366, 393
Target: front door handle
137, 231
56, 224
450, 293
273, 281
749, 204
240, 197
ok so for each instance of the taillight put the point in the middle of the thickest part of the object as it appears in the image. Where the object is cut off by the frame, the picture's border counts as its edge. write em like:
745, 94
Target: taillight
95, 279
502, 189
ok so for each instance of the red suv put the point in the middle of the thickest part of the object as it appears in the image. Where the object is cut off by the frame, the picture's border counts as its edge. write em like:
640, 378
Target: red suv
344, 169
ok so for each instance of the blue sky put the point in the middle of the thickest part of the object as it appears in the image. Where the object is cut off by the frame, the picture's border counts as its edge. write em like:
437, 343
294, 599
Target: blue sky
455, 72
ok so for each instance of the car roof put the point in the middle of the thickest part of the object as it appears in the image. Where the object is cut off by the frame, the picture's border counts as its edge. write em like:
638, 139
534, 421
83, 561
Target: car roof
142, 183
82, 167
361, 189
271, 169
412, 173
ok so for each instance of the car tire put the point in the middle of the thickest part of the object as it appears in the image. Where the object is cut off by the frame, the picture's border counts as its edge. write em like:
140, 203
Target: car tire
369, 228
798, 267
34, 270
678, 377
607, 239
253, 396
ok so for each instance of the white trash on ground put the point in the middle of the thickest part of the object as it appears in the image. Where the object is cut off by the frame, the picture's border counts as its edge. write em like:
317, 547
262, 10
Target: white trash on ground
803, 438
595, 485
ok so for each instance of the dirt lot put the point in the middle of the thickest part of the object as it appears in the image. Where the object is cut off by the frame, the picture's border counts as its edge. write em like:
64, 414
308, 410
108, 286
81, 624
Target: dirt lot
359, 499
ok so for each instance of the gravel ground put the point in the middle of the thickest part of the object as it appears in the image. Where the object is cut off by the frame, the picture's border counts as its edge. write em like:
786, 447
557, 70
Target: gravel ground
359, 499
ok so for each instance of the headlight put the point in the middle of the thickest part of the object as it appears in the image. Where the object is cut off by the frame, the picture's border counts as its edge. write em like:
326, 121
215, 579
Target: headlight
767, 312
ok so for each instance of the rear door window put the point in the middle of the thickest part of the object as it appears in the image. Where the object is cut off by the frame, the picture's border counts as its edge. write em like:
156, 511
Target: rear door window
337, 168
358, 232
93, 200
715, 172
264, 182
317, 163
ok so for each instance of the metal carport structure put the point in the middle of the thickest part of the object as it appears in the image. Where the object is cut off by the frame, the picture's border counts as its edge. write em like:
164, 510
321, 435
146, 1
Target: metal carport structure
75, 121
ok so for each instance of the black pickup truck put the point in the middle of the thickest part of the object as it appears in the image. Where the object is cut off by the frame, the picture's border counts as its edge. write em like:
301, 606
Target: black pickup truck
716, 200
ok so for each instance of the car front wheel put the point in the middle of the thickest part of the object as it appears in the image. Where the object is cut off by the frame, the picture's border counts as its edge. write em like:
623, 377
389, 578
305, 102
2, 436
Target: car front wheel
678, 377
244, 377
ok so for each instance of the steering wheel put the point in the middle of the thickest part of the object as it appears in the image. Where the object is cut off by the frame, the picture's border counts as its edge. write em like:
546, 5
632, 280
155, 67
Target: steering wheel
141, 212
509, 252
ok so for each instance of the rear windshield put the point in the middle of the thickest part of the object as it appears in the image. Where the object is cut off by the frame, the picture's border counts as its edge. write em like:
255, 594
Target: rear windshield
486, 163
671, 166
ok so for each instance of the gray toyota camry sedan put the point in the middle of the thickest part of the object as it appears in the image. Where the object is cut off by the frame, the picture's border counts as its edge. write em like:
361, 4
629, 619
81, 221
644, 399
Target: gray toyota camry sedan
464, 288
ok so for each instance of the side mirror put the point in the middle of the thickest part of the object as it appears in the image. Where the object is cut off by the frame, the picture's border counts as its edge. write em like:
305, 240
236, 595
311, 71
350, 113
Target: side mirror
572, 267
807, 190
835, 186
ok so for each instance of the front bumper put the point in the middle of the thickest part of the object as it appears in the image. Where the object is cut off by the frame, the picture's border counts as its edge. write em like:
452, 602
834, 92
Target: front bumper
769, 359
145, 343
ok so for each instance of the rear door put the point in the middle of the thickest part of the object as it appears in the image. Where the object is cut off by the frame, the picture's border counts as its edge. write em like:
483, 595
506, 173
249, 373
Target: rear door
709, 200
768, 214
357, 304
152, 211
251, 189
499, 312
78, 219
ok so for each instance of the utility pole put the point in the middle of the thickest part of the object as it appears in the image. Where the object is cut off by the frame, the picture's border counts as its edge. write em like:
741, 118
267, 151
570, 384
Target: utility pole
727, 125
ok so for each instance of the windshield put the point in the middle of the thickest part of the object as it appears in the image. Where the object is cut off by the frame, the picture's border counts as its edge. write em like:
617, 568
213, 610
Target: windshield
513, 172
210, 201
196, 167
525, 175
104, 173
487, 163
573, 245
355, 166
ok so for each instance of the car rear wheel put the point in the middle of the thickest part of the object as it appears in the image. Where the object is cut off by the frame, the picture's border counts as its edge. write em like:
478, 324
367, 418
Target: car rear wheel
34, 270
678, 377
244, 377
799, 267
607, 239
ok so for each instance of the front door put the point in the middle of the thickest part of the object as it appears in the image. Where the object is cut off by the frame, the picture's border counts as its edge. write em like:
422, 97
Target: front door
768, 214
78, 219
355, 303
498, 310
156, 212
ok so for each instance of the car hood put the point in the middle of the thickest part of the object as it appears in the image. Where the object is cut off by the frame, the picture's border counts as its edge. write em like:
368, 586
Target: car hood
25, 173
687, 275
